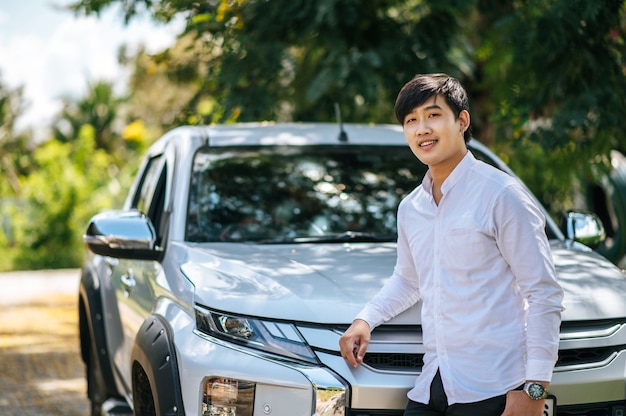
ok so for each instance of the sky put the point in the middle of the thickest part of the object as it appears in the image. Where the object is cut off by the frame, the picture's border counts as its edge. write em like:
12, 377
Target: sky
52, 53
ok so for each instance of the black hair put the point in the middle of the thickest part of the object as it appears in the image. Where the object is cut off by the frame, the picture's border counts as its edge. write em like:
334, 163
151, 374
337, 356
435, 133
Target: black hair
423, 86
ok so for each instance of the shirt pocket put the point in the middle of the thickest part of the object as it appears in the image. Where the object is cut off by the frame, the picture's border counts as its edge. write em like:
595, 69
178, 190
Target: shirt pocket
468, 247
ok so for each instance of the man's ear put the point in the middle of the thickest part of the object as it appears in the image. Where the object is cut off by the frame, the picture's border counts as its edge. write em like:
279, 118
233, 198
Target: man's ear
464, 119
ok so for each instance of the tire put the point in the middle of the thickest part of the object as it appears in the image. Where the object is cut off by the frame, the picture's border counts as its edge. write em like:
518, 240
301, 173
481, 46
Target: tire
96, 389
143, 400
156, 380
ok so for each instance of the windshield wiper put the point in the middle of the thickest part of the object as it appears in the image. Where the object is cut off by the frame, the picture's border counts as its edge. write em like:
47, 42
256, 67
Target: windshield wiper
347, 237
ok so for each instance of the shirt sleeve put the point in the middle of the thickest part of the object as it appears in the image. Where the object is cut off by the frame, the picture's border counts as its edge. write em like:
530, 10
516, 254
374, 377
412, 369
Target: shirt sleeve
521, 237
399, 292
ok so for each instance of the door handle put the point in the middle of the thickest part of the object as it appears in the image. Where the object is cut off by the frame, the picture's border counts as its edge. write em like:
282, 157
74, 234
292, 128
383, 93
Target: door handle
128, 282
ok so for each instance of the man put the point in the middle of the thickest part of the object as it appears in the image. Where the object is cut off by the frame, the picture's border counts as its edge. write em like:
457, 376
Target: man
472, 249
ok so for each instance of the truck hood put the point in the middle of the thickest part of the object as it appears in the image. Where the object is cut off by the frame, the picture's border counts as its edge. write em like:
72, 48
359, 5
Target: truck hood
594, 287
330, 283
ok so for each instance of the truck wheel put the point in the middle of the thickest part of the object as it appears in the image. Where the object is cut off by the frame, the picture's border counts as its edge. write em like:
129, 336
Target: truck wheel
96, 390
143, 401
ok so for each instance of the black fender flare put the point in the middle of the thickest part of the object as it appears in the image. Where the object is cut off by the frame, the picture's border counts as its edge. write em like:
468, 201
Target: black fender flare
154, 351
91, 327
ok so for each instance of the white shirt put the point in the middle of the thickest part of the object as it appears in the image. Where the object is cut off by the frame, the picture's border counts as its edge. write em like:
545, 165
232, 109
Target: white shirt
480, 263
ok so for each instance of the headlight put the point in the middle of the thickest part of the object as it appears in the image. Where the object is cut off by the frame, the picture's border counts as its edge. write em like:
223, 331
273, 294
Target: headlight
274, 337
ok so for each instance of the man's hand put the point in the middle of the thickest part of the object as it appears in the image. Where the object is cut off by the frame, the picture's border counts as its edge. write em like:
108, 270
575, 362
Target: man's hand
519, 404
353, 343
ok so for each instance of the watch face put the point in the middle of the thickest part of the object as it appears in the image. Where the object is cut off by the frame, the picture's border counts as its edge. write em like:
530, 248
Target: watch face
535, 390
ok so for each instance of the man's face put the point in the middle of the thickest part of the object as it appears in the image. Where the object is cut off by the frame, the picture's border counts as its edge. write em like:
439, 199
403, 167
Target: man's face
434, 135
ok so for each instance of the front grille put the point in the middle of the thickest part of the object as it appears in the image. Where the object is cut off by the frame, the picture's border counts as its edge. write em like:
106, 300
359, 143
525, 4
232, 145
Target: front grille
414, 362
595, 409
384, 361
567, 357
587, 355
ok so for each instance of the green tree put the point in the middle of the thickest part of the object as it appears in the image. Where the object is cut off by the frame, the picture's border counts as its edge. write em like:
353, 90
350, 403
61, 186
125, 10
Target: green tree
72, 181
15, 162
159, 98
545, 77
292, 60
561, 107
99, 109
14, 145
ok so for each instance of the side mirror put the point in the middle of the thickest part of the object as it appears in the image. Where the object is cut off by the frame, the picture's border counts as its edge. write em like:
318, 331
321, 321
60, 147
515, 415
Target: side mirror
584, 227
122, 234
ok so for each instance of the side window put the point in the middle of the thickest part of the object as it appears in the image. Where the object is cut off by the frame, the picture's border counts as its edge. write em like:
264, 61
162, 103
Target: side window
150, 195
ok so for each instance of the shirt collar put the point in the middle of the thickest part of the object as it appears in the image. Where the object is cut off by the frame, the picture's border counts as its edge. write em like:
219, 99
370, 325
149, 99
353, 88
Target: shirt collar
457, 173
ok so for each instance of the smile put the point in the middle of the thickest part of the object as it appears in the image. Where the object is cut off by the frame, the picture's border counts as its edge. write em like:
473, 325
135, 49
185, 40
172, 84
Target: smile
427, 143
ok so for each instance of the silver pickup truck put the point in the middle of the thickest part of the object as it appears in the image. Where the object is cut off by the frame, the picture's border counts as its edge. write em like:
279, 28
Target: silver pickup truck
244, 251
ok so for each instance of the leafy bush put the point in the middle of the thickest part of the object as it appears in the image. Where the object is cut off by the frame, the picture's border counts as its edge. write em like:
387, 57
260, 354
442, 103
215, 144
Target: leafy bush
72, 182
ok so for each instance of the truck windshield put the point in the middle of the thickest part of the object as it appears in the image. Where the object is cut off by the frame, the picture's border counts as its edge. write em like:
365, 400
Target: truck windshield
299, 193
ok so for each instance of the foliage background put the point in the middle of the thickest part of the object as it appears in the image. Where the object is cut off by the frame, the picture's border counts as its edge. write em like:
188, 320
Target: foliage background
546, 80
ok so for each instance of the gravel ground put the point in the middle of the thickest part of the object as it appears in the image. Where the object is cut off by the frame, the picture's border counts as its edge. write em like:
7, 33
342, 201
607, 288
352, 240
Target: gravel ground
41, 372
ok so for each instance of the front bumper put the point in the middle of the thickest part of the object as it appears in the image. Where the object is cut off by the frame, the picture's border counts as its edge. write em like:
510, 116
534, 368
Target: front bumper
282, 388
286, 388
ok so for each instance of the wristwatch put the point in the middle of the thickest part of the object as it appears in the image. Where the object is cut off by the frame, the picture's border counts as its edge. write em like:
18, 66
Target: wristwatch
535, 390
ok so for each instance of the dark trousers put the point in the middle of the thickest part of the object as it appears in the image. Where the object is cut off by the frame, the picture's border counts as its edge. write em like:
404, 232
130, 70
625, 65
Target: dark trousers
438, 404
